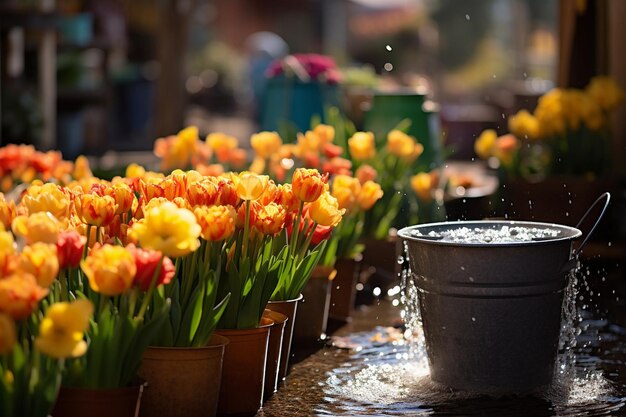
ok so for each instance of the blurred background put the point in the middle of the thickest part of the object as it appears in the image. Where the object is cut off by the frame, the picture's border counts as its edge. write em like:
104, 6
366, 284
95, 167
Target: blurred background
90, 76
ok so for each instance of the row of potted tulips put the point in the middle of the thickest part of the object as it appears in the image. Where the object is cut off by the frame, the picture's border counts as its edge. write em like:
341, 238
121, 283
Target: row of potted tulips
163, 261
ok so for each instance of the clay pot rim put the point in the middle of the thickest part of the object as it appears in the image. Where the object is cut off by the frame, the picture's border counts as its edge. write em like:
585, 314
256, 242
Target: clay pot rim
216, 341
138, 385
264, 325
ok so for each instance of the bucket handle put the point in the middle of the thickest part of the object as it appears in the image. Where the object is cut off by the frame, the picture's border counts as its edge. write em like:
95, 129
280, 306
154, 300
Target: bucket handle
605, 196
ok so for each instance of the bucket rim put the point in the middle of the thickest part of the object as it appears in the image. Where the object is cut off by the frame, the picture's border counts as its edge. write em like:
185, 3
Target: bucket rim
571, 234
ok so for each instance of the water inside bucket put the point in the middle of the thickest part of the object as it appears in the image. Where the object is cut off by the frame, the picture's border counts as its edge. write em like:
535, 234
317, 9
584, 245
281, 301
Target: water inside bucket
393, 378
499, 234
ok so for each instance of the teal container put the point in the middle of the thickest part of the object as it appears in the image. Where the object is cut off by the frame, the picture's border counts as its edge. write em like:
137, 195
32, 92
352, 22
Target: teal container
289, 103
390, 109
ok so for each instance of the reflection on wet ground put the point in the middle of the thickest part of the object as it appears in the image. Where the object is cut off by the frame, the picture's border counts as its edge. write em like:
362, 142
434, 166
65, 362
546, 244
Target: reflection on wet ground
376, 374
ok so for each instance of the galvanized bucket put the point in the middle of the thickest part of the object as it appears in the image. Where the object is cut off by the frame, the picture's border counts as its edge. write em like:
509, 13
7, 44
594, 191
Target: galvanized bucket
492, 311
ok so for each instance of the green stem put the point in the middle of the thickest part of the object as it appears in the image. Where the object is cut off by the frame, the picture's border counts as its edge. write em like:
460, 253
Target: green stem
296, 228
246, 229
88, 234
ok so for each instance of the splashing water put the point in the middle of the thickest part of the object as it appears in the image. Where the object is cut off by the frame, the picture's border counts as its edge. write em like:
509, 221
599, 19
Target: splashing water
394, 379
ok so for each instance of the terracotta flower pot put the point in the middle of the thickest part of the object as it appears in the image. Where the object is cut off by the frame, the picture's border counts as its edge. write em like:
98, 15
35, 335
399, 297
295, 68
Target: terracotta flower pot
343, 289
99, 402
274, 350
313, 309
243, 369
182, 381
288, 308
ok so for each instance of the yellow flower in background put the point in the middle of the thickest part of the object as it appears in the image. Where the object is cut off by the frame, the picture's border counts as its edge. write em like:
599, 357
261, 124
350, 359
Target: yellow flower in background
346, 189
95, 210
169, 229
325, 133
308, 142
308, 184
8, 335
20, 295
402, 145
47, 197
265, 144
422, 185
221, 143
524, 125
82, 169
7, 251
110, 269
606, 92
366, 173
135, 171
7, 212
251, 186
258, 165
370, 193
40, 260
217, 222
325, 210
550, 113
62, 329
38, 227
485, 143
362, 146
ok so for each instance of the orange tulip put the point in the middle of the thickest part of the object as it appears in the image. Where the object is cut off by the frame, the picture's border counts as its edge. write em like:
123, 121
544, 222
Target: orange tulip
270, 219
325, 210
123, 196
325, 133
40, 260
7, 212
95, 210
227, 192
202, 193
240, 221
346, 189
270, 193
366, 173
38, 227
308, 184
422, 185
70, 246
47, 197
217, 222
265, 144
147, 262
110, 269
286, 198
19, 295
369, 195
362, 146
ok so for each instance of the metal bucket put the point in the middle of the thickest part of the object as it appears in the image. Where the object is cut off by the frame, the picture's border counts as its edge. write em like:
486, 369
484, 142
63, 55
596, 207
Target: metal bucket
491, 312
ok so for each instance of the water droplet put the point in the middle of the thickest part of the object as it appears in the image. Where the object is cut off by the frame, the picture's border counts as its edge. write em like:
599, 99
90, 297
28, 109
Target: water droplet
473, 318
388, 66
388, 47
467, 17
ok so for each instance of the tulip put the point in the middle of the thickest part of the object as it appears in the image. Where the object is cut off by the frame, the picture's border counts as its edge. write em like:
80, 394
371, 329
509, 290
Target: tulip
325, 210
485, 143
240, 220
70, 247
422, 185
308, 184
7, 252
123, 196
95, 210
110, 269
606, 92
147, 262
202, 193
362, 146
505, 148
47, 197
7, 212
222, 145
366, 173
168, 229
270, 219
251, 186
524, 125
62, 329
325, 133
20, 295
8, 334
286, 198
81, 168
270, 194
346, 189
227, 192
265, 144
40, 260
369, 195
38, 227
135, 171
400, 144
217, 222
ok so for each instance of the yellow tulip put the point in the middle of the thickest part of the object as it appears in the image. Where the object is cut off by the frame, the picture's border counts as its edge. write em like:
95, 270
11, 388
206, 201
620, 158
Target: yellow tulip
217, 222
135, 171
325, 210
485, 143
7, 212
265, 144
8, 335
38, 227
40, 260
123, 196
346, 189
95, 210
369, 195
7, 251
524, 125
47, 197
286, 198
81, 168
220, 142
251, 186
422, 185
606, 92
62, 329
325, 133
400, 144
169, 229
362, 146
110, 269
